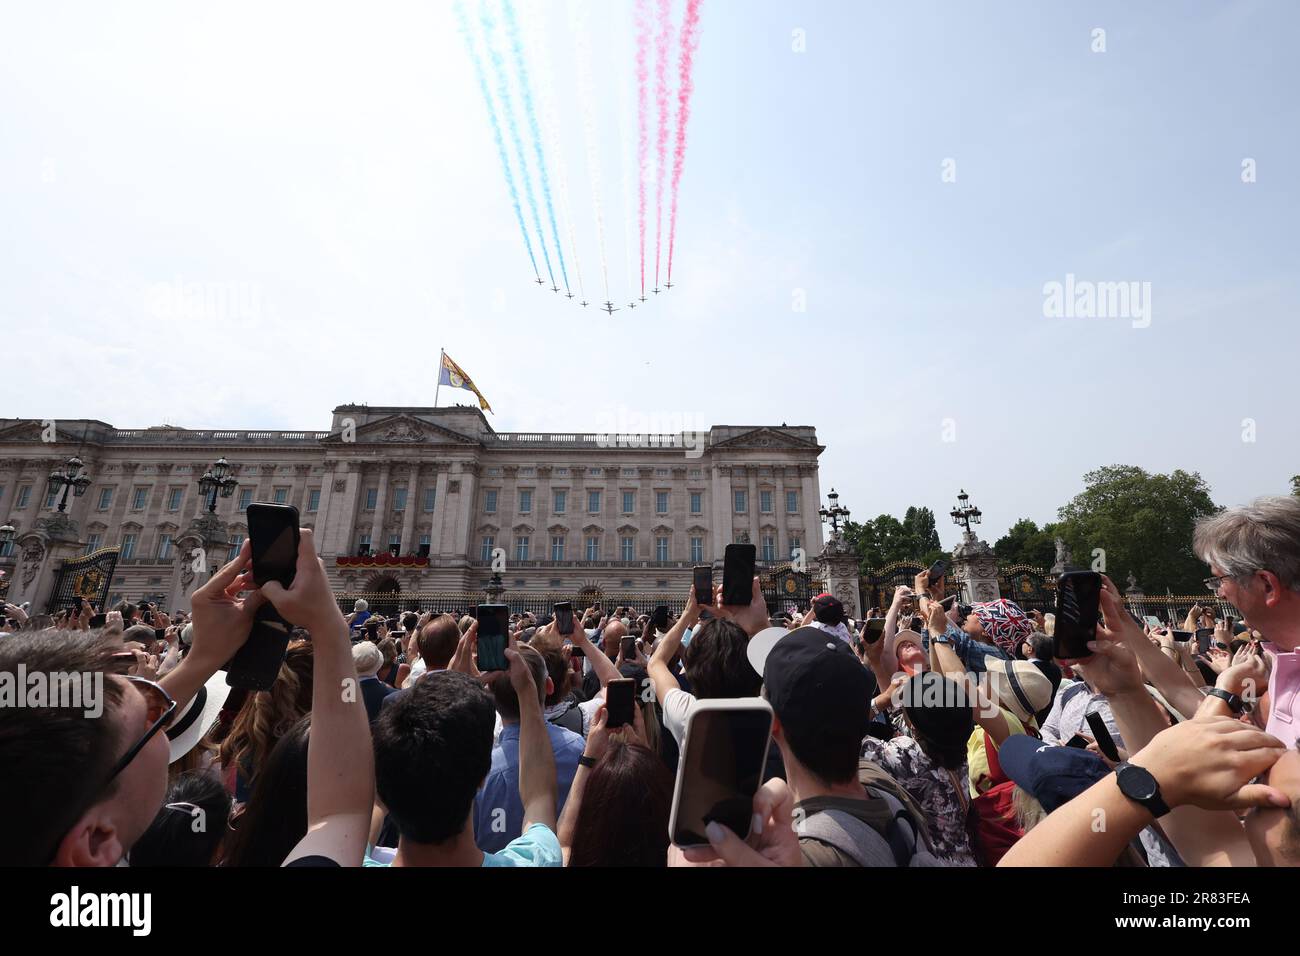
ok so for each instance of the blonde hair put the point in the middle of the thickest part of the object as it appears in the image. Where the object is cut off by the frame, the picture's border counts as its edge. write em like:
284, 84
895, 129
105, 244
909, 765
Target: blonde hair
1049, 625
265, 717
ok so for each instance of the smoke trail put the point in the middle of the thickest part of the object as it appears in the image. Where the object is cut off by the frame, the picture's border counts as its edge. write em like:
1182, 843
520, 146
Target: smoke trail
662, 41
582, 66
463, 21
617, 50
686, 86
526, 93
507, 107
550, 123
642, 122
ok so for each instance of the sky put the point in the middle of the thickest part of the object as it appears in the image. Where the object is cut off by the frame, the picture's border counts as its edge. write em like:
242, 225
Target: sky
241, 215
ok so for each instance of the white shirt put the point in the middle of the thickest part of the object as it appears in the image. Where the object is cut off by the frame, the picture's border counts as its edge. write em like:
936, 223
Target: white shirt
677, 710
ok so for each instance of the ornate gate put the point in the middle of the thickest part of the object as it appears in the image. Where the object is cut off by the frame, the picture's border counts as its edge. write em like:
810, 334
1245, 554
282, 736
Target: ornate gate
784, 588
879, 584
88, 577
1032, 588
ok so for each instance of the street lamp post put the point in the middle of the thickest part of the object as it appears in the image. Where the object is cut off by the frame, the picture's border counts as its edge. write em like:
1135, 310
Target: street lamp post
965, 514
69, 478
217, 480
834, 513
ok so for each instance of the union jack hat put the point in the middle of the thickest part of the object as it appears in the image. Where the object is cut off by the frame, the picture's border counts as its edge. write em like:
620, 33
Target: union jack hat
1004, 623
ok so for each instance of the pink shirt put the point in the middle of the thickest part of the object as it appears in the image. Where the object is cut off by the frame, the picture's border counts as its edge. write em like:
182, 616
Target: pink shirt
1284, 696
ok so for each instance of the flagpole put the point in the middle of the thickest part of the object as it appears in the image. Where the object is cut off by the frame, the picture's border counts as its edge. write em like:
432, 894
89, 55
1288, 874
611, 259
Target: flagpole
438, 388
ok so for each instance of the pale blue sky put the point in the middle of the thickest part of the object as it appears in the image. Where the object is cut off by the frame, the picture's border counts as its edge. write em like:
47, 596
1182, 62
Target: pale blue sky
332, 166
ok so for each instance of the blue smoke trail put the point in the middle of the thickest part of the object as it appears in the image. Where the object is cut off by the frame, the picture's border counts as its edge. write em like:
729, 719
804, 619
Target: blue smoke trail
503, 91
496, 129
512, 31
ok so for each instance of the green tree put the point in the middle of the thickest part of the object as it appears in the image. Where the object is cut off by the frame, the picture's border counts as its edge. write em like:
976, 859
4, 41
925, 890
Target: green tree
1026, 543
1295, 485
884, 539
1143, 523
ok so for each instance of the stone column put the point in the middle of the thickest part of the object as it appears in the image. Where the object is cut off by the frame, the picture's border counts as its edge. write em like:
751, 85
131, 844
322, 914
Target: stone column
838, 566
721, 507
811, 504
779, 517
377, 543
437, 529
975, 570
412, 502
751, 499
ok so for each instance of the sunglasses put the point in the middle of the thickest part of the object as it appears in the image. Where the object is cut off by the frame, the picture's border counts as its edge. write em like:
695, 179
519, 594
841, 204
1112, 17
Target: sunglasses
159, 710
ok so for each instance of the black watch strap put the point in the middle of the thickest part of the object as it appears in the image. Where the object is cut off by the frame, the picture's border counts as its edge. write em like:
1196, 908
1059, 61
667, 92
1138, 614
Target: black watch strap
1235, 703
585, 761
1141, 787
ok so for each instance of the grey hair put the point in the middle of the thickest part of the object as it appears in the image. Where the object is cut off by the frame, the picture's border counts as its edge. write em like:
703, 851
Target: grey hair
361, 605
367, 658
1261, 536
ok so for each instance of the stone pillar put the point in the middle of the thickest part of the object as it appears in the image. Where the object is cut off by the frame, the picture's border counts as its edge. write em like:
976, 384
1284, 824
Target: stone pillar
751, 500
838, 567
40, 553
1135, 599
412, 502
377, 543
721, 506
812, 522
975, 570
440, 503
782, 532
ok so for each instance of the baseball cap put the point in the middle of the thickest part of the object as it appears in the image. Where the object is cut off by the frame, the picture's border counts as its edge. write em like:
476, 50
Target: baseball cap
1051, 775
813, 680
828, 609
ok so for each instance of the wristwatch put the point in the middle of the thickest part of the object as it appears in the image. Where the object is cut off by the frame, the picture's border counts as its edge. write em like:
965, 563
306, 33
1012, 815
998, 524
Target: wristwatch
1235, 703
1138, 785
585, 761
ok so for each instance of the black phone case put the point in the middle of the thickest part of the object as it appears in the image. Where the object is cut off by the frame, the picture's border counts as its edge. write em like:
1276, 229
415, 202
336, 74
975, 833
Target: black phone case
737, 583
256, 665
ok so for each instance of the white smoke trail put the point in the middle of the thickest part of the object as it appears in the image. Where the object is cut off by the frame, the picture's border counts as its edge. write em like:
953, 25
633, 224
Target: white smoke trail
623, 49
586, 101
540, 54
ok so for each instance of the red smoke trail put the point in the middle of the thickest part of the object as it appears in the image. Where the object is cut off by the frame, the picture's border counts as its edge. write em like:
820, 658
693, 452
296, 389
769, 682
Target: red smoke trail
643, 134
690, 42
661, 99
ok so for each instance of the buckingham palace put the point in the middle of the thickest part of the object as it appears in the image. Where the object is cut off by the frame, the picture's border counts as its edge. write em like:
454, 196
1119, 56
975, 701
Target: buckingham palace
404, 500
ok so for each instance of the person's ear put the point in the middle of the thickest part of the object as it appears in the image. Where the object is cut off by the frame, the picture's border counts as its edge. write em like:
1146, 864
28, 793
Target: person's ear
1272, 588
91, 841
777, 732
550, 686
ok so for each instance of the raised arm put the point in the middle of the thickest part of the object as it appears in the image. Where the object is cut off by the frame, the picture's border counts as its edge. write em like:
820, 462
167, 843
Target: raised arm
1207, 762
538, 790
340, 755
660, 674
600, 662
223, 619
945, 660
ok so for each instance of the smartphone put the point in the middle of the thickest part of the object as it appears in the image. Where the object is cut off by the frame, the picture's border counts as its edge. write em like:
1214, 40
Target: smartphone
577, 652
1079, 741
1078, 595
273, 535
704, 585
873, 629
627, 647
1182, 637
564, 617
1204, 636
659, 619
721, 767
159, 633
738, 574
938, 570
98, 620
146, 616
1105, 743
1152, 621
620, 698
493, 621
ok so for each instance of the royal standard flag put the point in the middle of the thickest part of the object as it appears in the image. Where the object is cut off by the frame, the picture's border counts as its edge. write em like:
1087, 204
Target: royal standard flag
452, 374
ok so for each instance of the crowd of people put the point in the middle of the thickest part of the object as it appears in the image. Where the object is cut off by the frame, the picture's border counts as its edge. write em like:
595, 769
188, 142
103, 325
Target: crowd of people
946, 735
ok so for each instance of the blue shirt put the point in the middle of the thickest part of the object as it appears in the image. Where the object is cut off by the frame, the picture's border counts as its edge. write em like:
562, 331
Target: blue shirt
494, 830
538, 847
971, 651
